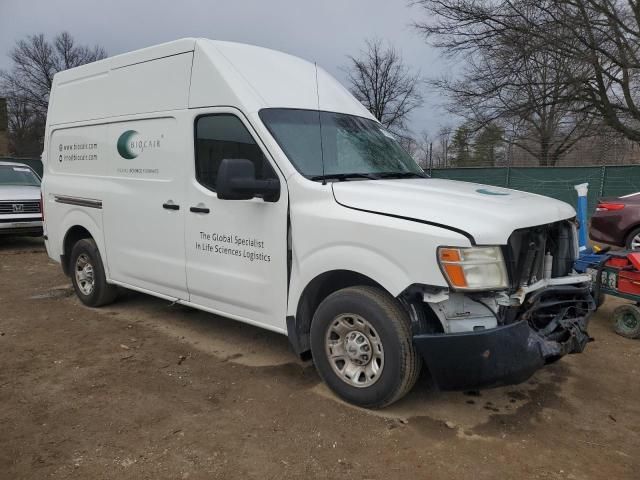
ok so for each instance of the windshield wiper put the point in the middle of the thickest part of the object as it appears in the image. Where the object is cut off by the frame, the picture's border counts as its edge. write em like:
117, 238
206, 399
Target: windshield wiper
345, 176
400, 175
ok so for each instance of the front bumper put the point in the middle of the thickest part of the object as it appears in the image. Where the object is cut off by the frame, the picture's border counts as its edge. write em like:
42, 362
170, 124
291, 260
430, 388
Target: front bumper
509, 354
21, 227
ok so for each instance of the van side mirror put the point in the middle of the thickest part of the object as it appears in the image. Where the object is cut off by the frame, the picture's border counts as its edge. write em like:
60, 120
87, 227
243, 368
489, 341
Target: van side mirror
237, 181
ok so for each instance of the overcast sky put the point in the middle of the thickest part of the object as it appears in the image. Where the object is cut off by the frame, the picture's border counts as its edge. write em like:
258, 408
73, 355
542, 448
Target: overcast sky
323, 31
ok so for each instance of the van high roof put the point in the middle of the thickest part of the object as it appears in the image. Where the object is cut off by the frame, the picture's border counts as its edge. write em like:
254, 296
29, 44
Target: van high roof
193, 73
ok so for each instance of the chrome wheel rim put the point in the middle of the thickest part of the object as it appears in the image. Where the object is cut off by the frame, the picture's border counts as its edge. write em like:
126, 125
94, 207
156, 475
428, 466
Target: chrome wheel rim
635, 242
354, 350
85, 278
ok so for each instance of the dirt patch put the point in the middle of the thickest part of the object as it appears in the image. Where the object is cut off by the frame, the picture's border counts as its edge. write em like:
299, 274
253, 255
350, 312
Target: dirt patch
142, 389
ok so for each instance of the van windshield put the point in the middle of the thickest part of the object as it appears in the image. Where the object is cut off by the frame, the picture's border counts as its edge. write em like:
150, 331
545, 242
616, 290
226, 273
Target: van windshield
17, 175
351, 147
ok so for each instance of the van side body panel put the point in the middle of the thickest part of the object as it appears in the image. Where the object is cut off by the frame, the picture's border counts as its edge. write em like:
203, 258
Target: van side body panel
112, 134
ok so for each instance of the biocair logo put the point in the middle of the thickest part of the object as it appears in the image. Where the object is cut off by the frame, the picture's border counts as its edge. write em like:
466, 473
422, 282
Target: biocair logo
131, 144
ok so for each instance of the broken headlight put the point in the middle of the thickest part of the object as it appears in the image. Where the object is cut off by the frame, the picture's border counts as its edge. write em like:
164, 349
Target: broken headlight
473, 268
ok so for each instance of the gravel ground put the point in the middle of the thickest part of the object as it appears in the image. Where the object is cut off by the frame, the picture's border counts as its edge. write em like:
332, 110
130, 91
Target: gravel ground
144, 389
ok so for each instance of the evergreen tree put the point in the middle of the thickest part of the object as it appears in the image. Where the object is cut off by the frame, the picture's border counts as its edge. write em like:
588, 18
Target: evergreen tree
461, 146
487, 148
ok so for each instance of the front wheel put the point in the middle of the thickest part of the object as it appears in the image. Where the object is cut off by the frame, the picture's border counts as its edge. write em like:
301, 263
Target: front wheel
633, 240
362, 347
87, 275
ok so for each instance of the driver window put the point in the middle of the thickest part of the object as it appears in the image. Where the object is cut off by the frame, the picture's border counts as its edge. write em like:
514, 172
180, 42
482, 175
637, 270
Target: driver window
223, 136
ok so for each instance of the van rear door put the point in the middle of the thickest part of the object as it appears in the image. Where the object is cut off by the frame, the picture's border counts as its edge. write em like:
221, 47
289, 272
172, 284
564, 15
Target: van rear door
236, 249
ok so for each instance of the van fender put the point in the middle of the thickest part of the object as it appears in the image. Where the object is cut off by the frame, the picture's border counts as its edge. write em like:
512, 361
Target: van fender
79, 217
364, 260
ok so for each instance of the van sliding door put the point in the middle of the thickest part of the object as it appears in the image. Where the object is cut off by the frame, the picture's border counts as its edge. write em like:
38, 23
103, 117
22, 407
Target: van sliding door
144, 206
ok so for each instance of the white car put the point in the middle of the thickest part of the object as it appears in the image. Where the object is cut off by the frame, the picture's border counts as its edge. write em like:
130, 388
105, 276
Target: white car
20, 209
249, 183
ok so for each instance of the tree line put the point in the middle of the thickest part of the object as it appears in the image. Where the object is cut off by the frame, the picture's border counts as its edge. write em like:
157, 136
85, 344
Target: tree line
536, 76
550, 73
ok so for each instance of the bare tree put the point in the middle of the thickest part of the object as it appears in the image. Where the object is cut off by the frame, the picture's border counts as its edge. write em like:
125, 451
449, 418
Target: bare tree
385, 85
526, 91
597, 41
604, 36
441, 146
424, 149
27, 85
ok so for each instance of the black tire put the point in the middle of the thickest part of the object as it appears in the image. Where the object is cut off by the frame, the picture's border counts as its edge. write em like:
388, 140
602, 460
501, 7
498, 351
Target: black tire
630, 237
401, 363
627, 321
600, 300
102, 293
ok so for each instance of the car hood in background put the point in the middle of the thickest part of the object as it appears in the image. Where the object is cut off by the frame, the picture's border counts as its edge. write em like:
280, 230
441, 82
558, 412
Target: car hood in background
19, 192
488, 214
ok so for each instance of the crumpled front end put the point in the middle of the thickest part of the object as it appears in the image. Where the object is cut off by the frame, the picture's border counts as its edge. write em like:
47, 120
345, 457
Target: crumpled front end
558, 317
491, 339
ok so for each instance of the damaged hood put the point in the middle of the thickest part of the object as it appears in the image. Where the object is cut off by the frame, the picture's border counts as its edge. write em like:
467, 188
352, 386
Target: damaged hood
489, 214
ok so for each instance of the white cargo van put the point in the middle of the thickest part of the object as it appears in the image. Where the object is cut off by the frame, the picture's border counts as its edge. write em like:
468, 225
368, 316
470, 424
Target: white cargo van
249, 183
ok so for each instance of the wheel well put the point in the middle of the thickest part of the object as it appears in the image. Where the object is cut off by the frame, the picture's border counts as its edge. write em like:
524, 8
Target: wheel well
628, 232
315, 292
73, 235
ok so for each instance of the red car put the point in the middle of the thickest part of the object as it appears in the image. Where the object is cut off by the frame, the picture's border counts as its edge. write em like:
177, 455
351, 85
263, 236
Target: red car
617, 221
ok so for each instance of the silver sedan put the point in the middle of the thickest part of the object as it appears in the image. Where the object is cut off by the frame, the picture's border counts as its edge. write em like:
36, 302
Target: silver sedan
20, 207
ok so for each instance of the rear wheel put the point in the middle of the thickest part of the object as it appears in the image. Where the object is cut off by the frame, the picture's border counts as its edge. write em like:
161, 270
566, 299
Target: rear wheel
87, 275
627, 321
362, 347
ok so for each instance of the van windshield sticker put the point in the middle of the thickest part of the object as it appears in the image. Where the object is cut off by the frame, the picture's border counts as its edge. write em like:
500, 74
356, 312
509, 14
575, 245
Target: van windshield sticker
21, 169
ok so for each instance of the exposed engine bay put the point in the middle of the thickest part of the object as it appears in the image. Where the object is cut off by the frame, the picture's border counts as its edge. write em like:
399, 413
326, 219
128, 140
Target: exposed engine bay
547, 304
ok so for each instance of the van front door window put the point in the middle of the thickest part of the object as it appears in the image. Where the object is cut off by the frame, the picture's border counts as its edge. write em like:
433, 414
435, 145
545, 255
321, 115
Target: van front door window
224, 136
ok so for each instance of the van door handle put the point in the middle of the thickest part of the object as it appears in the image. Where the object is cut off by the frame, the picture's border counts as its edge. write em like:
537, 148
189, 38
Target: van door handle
170, 206
199, 210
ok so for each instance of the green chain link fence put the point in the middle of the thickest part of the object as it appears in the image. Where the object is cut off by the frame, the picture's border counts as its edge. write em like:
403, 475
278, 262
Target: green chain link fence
556, 182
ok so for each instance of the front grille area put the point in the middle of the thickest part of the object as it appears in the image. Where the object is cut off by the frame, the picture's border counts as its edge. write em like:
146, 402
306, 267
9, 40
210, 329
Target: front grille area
527, 248
19, 207
557, 314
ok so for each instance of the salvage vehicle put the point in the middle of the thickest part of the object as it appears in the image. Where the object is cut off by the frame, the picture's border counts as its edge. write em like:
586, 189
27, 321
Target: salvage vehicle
251, 184
20, 209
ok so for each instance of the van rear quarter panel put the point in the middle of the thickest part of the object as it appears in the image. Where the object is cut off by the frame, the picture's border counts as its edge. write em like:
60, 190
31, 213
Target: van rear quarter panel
79, 155
74, 167
125, 164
